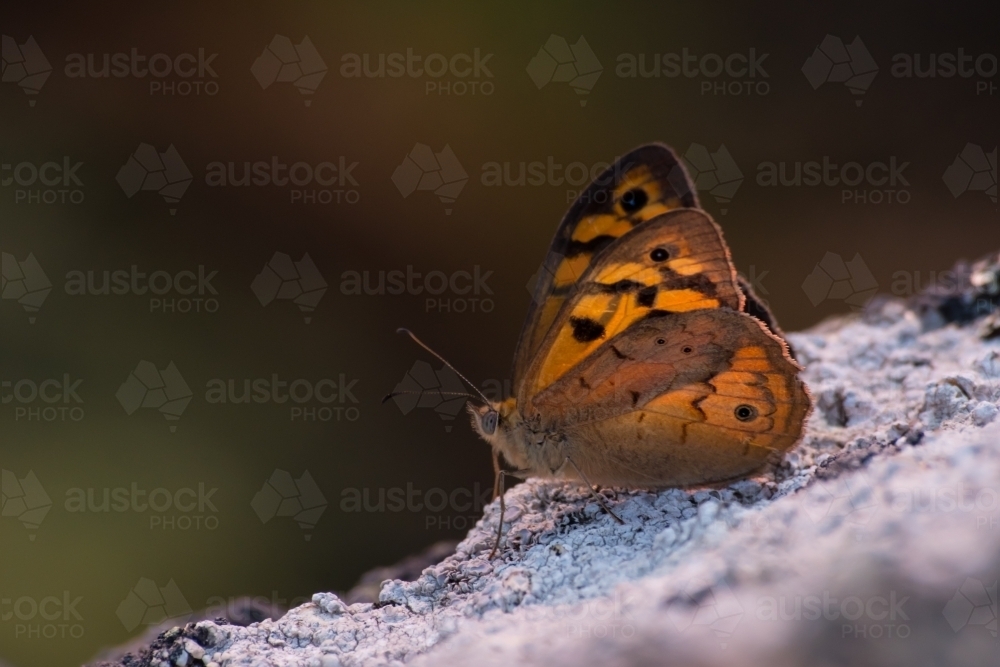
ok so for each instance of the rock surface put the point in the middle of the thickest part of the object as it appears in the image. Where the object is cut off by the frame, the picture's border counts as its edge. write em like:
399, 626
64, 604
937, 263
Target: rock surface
875, 542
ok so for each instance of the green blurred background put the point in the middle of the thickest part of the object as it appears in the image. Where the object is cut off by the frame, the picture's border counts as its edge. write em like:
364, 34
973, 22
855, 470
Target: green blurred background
231, 547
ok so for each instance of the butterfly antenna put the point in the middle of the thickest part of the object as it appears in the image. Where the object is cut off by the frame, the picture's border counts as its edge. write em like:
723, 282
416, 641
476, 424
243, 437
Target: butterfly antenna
442, 393
445, 362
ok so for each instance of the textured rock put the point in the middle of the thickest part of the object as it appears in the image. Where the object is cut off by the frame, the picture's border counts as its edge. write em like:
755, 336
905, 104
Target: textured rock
875, 542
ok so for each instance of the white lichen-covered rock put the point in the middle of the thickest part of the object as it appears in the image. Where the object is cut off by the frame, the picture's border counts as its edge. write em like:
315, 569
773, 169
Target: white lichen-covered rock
875, 542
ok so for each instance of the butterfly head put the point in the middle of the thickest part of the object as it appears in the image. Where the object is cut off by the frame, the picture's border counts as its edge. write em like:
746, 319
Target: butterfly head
491, 419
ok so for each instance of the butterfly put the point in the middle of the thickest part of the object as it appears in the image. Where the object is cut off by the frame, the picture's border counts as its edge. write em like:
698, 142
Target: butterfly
645, 361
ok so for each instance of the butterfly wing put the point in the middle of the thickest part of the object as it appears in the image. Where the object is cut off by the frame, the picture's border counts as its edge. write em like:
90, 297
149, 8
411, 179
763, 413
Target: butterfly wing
679, 399
645, 183
675, 263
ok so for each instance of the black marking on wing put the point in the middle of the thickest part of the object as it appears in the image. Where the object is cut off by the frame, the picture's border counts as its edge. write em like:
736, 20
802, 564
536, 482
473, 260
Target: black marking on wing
586, 329
646, 297
594, 245
698, 282
620, 287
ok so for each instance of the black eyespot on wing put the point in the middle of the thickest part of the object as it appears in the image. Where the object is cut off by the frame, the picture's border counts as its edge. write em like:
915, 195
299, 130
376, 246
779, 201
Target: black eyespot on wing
586, 329
659, 254
646, 297
634, 199
661, 341
687, 349
745, 412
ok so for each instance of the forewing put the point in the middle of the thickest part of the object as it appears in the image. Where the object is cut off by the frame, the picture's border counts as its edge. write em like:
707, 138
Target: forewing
640, 186
674, 263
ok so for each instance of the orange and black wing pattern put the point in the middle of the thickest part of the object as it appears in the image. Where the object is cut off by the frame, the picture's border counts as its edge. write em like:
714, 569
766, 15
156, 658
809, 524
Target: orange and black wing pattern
674, 263
645, 183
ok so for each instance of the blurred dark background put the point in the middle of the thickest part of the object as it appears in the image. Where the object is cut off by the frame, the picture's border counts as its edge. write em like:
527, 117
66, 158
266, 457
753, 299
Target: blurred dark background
132, 567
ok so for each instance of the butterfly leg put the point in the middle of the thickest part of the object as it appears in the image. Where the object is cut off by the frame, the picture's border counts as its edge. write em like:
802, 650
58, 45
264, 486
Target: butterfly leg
498, 487
598, 497
496, 474
498, 491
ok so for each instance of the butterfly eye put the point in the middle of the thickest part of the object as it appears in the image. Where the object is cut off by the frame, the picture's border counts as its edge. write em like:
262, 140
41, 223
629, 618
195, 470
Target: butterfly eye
490, 422
687, 349
661, 341
634, 199
745, 413
659, 254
